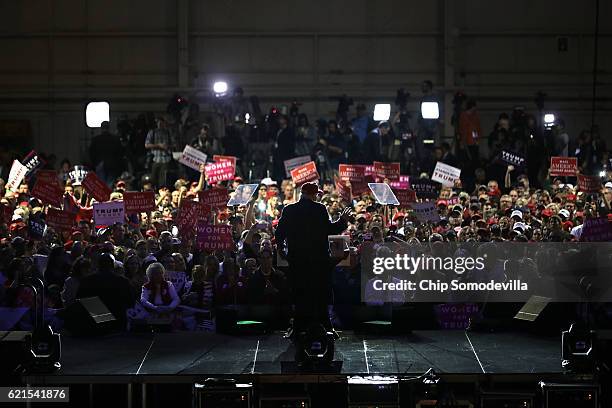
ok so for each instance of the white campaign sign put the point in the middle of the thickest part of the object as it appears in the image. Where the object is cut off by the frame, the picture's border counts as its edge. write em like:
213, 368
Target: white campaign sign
295, 162
192, 158
445, 174
18, 172
109, 213
426, 211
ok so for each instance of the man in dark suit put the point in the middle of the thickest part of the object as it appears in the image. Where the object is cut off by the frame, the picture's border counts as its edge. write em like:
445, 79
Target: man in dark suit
113, 290
304, 227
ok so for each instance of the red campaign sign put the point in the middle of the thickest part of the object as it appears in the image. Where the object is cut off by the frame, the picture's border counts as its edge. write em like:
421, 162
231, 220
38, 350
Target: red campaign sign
215, 197
589, 184
60, 220
214, 237
138, 202
189, 212
352, 172
6, 213
405, 197
96, 188
220, 158
596, 230
343, 190
402, 184
369, 170
48, 191
305, 173
389, 171
563, 166
48, 176
220, 171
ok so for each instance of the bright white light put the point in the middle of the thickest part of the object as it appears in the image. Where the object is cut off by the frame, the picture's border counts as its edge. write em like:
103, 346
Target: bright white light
247, 116
96, 113
602, 174
549, 118
220, 87
430, 110
382, 111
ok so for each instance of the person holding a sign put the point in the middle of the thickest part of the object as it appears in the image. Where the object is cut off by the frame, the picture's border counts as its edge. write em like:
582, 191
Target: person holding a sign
304, 227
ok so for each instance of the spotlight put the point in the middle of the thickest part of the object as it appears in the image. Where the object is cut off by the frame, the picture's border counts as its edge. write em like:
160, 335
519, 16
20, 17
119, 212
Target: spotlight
96, 113
220, 88
247, 117
382, 111
602, 174
549, 120
430, 110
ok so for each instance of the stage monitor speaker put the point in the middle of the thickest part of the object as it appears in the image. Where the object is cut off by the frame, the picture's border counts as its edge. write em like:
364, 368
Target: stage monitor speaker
15, 349
372, 391
90, 316
223, 394
579, 395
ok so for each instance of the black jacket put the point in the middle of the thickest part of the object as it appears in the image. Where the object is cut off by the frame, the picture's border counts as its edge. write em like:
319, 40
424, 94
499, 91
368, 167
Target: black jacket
305, 226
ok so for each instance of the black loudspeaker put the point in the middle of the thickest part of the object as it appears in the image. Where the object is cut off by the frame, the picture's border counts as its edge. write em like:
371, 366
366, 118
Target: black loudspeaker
90, 316
15, 348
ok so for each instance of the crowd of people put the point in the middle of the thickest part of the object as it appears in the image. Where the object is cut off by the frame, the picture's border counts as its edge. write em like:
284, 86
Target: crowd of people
144, 268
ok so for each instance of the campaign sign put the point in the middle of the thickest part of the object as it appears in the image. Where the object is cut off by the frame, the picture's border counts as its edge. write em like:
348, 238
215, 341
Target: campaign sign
563, 166
16, 175
352, 172
596, 230
424, 188
77, 175
214, 237
214, 197
109, 213
389, 171
589, 184
220, 158
383, 194
343, 190
426, 211
59, 220
48, 192
295, 162
192, 158
220, 171
511, 158
178, 279
96, 188
138, 202
36, 228
404, 196
242, 195
445, 174
189, 211
33, 162
403, 183
305, 173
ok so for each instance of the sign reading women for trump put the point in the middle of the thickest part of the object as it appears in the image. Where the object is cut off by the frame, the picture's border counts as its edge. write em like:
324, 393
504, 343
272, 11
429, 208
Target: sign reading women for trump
445, 174
214, 237
221, 171
107, 214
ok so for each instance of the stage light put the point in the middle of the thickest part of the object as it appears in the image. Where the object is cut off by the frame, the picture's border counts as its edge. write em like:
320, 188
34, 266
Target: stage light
430, 110
549, 119
382, 111
96, 113
602, 173
220, 88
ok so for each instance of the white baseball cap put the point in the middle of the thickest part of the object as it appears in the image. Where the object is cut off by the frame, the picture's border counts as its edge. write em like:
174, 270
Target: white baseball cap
517, 213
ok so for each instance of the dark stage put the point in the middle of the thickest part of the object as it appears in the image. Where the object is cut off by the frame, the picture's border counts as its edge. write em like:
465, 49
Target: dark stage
196, 354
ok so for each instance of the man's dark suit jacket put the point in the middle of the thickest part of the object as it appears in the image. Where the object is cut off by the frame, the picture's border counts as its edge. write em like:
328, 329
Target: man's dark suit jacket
305, 226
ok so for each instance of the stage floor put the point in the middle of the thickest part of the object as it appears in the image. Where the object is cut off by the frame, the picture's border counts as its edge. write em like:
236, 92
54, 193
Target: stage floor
199, 353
